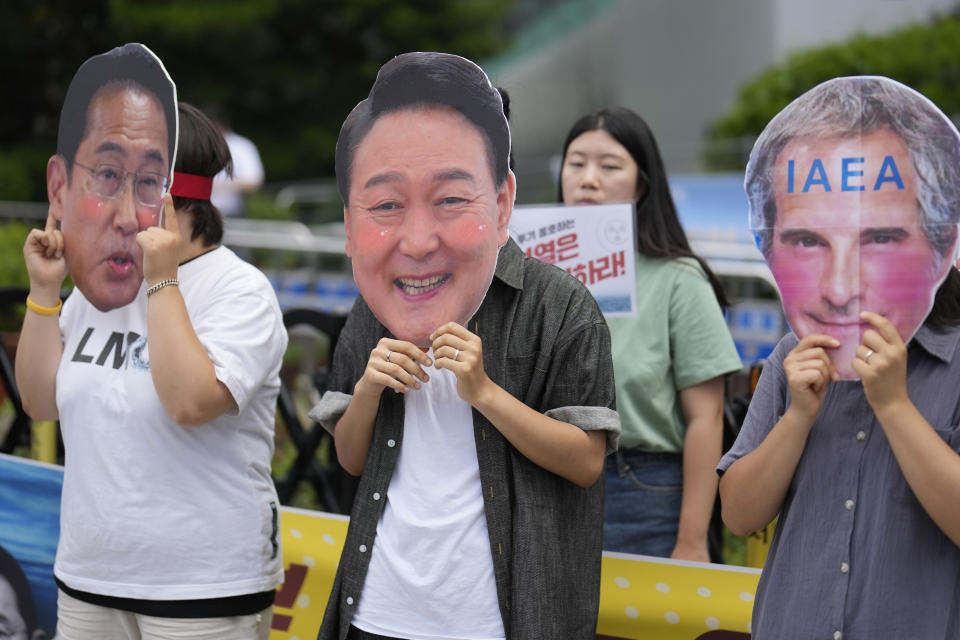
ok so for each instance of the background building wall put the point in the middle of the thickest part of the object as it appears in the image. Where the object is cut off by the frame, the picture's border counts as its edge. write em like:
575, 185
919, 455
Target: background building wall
676, 62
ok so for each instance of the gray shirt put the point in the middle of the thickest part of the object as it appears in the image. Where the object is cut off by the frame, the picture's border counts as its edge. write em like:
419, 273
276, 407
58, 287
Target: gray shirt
855, 556
546, 343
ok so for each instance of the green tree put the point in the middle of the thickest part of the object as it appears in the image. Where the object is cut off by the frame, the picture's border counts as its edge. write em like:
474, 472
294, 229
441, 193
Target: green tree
924, 57
285, 72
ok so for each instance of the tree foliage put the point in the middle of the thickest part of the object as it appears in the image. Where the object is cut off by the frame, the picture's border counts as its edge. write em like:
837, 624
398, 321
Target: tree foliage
284, 72
924, 57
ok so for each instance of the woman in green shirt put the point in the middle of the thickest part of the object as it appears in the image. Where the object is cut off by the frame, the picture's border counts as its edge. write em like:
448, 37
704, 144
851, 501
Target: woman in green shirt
669, 360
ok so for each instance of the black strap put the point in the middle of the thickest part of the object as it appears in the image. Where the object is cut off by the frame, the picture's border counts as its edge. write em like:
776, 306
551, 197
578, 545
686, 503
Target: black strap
225, 607
360, 634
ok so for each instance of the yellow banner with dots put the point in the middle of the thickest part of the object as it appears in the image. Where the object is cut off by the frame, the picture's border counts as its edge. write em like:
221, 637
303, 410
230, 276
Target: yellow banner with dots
311, 543
645, 597
640, 597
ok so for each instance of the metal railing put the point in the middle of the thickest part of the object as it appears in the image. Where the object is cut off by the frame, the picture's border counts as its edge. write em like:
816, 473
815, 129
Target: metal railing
287, 235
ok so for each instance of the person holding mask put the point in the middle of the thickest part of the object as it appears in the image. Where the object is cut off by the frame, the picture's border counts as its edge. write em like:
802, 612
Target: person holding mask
169, 517
854, 192
471, 387
669, 360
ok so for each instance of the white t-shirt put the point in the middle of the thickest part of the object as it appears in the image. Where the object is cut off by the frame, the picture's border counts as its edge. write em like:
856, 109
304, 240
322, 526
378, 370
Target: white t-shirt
247, 168
431, 572
150, 509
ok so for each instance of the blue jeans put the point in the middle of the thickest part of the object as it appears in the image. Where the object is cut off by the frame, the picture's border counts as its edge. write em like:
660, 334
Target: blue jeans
642, 504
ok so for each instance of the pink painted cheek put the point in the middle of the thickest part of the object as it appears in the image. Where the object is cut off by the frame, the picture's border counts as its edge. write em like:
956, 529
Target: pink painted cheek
148, 217
91, 207
900, 283
371, 245
467, 231
798, 281
471, 241
371, 238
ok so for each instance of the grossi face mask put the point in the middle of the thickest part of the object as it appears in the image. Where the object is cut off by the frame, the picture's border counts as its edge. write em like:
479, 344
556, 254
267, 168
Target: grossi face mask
854, 194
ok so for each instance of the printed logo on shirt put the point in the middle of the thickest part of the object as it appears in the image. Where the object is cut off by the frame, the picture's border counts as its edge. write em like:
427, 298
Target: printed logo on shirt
138, 354
111, 349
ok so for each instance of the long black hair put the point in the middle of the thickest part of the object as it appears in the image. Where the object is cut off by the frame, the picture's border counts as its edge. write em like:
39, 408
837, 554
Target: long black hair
659, 234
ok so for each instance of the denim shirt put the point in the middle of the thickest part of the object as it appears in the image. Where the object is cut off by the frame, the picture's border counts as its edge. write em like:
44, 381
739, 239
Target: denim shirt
855, 555
545, 342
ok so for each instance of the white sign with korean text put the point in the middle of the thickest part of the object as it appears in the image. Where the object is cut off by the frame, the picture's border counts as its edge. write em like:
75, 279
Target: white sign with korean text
595, 243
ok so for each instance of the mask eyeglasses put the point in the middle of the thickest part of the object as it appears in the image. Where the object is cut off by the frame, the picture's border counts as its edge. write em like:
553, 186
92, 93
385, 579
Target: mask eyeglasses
109, 181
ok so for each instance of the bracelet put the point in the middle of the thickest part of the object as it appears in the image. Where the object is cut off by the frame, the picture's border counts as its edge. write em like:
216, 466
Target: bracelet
160, 285
44, 311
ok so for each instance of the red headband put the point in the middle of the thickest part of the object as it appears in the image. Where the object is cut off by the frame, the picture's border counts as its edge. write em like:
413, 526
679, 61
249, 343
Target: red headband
187, 185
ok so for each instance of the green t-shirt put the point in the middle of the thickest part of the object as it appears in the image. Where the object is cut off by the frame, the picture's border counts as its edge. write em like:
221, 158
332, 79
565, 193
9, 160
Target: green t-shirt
677, 339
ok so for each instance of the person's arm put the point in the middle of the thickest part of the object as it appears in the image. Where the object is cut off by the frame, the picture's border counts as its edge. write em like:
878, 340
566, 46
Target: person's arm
393, 364
40, 346
560, 447
753, 488
930, 466
182, 372
702, 406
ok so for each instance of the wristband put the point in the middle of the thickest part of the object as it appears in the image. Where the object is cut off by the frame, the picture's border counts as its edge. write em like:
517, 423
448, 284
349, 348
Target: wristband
44, 311
160, 285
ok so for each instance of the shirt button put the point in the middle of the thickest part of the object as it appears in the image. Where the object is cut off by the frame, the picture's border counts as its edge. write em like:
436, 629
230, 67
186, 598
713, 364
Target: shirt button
861, 436
349, 600
391, 442
837, 635
376, 495
849, 505
363, 548
844, 567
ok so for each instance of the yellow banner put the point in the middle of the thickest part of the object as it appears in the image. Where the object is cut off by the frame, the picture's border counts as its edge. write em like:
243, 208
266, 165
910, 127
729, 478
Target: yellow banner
311, 543
640, 597
643, 597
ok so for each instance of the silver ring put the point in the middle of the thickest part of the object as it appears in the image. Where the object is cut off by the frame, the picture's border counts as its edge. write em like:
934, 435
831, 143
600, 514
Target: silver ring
866, 358
388, 355
457, 354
